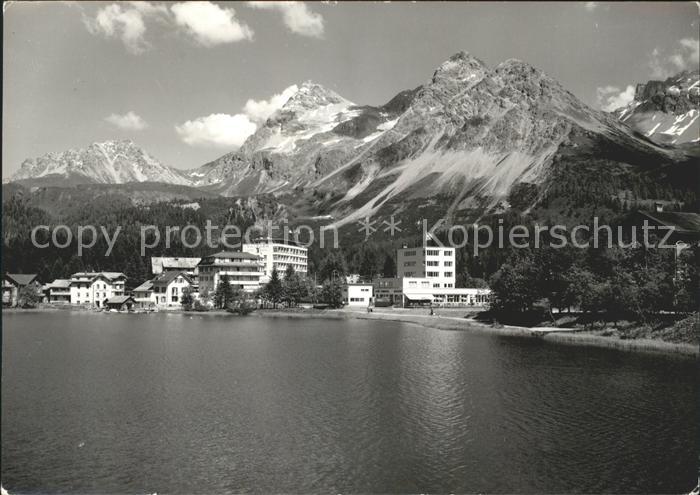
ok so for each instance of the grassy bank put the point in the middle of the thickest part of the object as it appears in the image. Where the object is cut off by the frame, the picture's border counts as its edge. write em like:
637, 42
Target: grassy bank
457, 320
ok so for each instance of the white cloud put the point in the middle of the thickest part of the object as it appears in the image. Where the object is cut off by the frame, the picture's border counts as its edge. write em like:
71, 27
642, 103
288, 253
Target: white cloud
611, 97
148, 8
297, 17
126, 24
130, 121
210, 24
685, 57
207, 23
590, 6
231, 131
260, 110
692, 50
217, 129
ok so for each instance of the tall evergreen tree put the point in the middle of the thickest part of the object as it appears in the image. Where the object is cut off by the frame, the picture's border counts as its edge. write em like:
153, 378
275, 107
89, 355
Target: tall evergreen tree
224, 292
389, 268
273, 289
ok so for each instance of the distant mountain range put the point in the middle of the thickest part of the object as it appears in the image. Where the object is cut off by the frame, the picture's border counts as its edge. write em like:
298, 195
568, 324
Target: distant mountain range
462, 141
110, 162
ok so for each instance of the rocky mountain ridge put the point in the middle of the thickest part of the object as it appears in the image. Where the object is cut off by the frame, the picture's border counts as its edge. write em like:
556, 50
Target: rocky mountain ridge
108, 162
458, 144
666, 111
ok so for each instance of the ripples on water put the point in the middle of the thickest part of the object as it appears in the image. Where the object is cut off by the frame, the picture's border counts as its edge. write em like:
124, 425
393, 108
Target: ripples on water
205, 404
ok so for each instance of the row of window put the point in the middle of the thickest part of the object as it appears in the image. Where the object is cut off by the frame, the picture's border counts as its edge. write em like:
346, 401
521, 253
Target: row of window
428, 252
437, 274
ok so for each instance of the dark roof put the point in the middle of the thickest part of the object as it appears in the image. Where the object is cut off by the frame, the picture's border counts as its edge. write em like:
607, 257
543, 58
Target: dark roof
21, 278
118, 299
166, 277
108, 275
682, 222
233, 255
160, 263
147, 285
59, 283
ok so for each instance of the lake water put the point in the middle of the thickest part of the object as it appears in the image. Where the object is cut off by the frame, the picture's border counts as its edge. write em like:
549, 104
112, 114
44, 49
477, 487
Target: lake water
171, 403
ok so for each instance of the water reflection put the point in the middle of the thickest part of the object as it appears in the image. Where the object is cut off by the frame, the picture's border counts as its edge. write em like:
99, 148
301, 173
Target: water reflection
169, 403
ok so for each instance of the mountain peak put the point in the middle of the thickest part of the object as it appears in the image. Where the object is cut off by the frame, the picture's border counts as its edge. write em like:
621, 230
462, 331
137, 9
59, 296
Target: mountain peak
516, 67
461, 66
312, 95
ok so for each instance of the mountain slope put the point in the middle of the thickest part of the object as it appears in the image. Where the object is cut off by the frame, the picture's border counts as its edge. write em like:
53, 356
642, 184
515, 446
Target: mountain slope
470, 135
315, 132
666, 111
457, 146
109, 162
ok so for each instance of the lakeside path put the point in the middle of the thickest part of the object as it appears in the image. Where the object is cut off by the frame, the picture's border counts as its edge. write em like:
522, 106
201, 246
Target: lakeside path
455, 323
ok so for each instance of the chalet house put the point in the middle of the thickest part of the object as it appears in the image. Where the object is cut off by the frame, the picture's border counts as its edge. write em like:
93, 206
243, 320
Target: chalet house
143, 295
120, 303
12, 283
58, 291
168, 288
164, 291
92, 288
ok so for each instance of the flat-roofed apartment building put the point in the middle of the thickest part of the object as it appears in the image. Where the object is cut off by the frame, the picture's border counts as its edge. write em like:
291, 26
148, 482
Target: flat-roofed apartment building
244, 270
426, 275
279, 253
432, 262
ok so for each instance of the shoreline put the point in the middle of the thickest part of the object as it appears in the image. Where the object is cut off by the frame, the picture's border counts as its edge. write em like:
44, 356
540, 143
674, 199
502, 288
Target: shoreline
443, 322
567, 337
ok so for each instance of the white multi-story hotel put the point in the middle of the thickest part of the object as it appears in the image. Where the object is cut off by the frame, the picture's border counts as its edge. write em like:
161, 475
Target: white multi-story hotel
244, 270
279, 253
94, 287
434, 263
426, 275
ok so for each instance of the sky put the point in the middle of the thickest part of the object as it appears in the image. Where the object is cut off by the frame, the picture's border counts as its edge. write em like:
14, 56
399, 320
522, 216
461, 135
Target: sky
189, 81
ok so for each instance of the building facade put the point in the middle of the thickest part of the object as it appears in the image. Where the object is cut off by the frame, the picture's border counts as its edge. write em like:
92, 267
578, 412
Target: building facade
169, 287
426, 275
92, 288
143, 295
388, 289
13, 283
164, 291
244, 270
420, 291
432, 262
279, 254
360, 295
58, 291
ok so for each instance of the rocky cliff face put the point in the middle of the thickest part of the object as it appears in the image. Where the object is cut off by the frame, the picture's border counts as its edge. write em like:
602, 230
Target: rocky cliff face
470, 134
109, 162
666, 111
